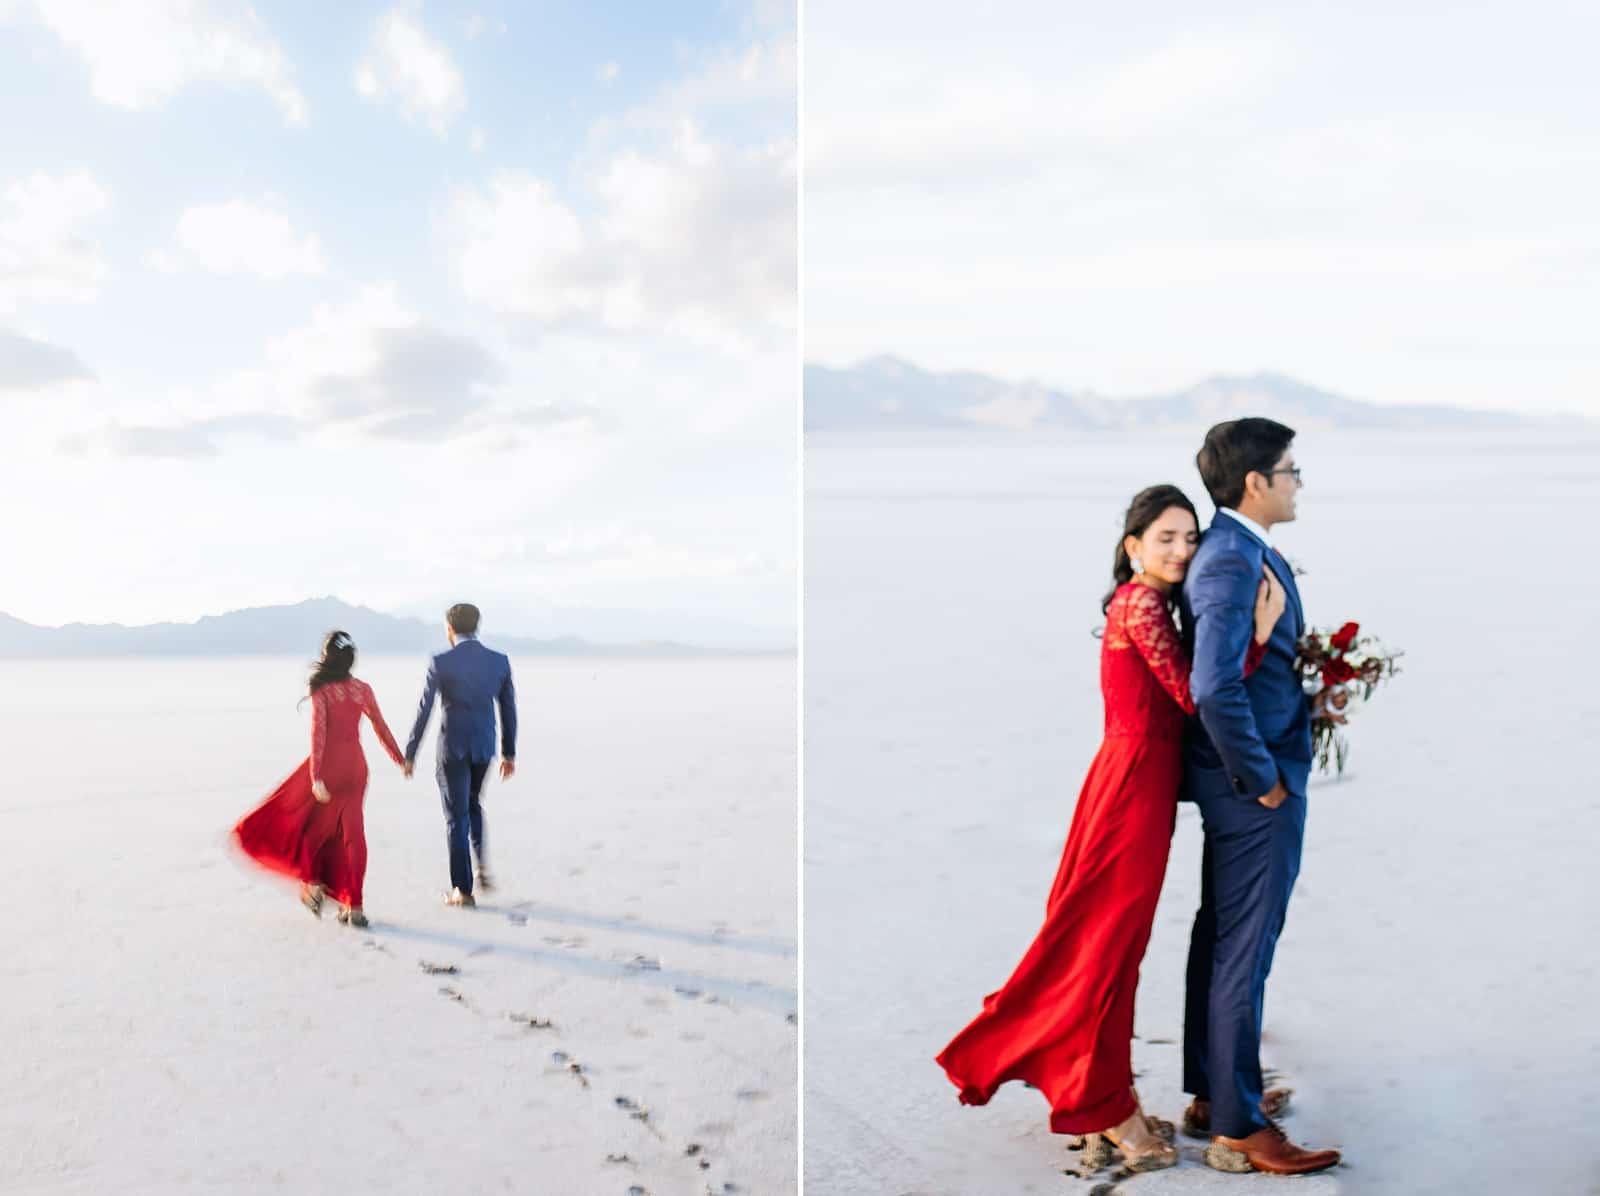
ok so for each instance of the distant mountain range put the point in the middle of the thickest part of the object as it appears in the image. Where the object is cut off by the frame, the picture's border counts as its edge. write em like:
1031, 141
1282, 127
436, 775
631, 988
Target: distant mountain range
295, 630
887, 393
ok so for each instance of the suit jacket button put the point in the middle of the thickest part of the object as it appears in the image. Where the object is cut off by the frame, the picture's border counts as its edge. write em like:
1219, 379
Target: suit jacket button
1238, 784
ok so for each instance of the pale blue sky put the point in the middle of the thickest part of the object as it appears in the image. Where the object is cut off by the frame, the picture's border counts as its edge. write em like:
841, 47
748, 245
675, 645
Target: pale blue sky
400, 302
1396, 202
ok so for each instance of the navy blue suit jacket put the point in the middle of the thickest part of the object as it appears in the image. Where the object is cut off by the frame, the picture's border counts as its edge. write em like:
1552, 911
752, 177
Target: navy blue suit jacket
470, 681
1249, 732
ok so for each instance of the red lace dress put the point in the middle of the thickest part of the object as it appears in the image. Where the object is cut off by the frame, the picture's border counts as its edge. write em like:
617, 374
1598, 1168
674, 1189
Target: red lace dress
315, 842
1064, 1021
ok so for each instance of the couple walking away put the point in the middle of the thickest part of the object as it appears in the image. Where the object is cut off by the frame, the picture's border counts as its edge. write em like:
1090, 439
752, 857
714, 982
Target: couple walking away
311, 827
1230, 731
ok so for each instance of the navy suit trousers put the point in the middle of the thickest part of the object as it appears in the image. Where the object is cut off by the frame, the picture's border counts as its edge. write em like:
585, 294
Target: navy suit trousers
1251, 859
460, 785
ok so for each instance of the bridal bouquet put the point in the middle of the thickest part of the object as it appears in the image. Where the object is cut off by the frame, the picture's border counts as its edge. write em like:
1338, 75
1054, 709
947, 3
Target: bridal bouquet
1339, 670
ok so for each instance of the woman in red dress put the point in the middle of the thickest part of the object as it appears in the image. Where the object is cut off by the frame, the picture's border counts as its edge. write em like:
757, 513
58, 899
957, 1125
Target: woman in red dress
1063, 1023
311, 827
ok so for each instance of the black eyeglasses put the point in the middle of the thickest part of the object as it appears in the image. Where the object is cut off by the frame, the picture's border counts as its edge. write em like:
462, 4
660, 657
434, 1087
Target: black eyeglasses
1293, 471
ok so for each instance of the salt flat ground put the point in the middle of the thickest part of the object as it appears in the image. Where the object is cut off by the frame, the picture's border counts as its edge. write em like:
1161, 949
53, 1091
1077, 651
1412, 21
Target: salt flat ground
1433, 997
174, 1021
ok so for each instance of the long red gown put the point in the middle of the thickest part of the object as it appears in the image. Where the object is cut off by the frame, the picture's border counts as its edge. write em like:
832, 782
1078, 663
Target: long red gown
1064, 1021
315, 842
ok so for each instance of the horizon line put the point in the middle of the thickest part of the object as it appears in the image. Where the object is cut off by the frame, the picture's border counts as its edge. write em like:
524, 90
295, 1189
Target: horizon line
1217, 375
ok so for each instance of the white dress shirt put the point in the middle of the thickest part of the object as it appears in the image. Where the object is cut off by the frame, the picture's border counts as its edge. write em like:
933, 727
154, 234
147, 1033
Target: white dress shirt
1250, 525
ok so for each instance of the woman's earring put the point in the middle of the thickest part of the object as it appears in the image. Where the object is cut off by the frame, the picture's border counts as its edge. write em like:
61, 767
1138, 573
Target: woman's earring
1138, 565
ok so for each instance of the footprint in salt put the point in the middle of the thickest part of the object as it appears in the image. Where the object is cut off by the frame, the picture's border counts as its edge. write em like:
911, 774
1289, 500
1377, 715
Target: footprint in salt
571, 1066
633, 1108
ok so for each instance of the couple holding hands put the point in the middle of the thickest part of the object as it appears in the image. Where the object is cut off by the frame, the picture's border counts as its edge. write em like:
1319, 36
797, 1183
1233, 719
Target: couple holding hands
312, 828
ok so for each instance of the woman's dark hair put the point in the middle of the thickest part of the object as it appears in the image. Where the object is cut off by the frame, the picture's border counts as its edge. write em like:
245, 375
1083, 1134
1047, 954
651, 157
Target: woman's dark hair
1236, 449
1146, 507
338, 657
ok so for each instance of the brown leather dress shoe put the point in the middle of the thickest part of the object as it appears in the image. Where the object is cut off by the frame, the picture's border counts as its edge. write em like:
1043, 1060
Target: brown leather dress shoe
1268, 1149
1197, 1117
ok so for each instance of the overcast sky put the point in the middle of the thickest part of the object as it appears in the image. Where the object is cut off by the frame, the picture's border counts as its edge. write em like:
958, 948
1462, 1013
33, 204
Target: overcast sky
1396, 202
407, 303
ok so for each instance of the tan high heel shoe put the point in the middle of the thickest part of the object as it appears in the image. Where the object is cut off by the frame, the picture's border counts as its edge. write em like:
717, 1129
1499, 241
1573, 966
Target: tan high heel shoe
311, 898
1159, 1126
1141, 1148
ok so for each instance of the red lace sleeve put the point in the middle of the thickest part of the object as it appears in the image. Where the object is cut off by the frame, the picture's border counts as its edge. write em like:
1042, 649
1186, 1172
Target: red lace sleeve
1253, 658
319, 732
1148, 623
369, 704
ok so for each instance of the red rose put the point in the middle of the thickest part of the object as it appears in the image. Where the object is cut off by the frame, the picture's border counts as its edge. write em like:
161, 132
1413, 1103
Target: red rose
1335, 672
1345, 636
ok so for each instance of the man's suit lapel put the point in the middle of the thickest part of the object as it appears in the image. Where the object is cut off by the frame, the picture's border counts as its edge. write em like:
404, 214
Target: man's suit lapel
1286, 576
1275, 560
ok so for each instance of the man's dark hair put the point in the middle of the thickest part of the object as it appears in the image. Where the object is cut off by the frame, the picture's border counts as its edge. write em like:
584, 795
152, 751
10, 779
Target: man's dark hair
1236, 448
463, 616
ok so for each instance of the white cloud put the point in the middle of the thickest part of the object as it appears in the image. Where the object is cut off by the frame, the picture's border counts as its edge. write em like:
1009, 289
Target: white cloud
616, 552
140, 55
371, 366
478, 25
177, 443
45, 248
772, 13
478, 140
731, 77
27, 363
696, 238
1175, 83
955, 126
518, 248
367, 368
679, 222
404, 64
241, 237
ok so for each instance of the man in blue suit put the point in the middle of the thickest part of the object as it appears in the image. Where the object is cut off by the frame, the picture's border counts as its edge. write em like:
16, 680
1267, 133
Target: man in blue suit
470, 681
1247, 756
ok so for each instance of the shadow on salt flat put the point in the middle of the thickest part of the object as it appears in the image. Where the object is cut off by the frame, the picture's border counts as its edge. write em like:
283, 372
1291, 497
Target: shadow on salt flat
754, 944
685, 983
